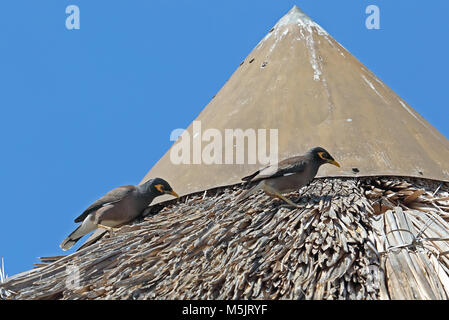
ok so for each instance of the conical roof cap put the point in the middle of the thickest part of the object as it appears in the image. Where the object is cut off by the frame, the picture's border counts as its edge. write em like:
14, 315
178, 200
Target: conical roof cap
303, 83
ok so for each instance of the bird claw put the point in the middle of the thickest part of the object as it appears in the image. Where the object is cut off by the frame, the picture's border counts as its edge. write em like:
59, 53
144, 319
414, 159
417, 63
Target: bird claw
289, 203
109, 229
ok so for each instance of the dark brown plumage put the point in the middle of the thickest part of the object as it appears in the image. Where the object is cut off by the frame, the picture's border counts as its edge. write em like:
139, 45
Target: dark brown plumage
288, 175
117, 207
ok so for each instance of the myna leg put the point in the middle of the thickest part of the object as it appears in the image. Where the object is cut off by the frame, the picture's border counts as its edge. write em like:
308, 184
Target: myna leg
276, 194
110, 229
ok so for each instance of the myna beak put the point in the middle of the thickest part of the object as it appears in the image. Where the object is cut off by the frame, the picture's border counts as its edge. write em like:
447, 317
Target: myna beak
172, 193
335, 163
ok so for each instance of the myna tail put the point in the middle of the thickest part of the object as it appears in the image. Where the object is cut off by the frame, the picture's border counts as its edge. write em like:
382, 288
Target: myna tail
70, 240
248, 178
68, 243
83, 229
249, 192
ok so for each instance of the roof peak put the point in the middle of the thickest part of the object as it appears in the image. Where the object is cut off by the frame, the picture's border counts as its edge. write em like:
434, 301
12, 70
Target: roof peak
296, 10
295, 16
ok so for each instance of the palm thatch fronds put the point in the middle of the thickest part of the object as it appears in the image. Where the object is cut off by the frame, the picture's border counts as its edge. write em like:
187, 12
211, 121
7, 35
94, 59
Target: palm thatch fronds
352, 238
3, 276
2, 272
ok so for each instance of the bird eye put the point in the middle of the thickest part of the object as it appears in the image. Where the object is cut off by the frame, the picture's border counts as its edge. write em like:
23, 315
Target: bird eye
160, 188
323, 155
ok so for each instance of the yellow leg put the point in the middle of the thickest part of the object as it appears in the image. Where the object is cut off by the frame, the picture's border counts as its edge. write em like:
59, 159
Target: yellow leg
276, 194
110, 229
287, 200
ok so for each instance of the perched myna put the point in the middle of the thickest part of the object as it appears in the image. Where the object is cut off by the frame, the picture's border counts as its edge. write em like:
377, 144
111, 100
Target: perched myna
117, 207
288, 175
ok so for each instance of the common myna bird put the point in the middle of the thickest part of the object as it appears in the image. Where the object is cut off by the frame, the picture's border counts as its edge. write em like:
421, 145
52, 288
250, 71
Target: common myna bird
288, 175
117, 207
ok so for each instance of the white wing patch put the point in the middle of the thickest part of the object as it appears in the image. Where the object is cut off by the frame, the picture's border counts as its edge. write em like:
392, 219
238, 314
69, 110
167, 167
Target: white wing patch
288, 174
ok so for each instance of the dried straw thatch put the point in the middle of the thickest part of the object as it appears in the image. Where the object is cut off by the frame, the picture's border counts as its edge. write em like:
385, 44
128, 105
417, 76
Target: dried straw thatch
3, 293
353, 238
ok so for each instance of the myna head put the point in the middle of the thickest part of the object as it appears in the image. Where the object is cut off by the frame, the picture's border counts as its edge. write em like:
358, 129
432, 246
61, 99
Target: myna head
160, 187
321, 156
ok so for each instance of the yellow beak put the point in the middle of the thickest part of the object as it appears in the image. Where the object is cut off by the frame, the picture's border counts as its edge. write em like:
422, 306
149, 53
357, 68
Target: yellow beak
335, 163
172, 193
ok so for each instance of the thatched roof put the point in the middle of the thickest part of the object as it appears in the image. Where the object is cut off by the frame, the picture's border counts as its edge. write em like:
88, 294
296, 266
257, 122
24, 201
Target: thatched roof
353, 238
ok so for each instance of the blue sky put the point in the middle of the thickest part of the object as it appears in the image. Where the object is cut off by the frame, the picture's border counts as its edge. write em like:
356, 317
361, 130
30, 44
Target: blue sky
84, 111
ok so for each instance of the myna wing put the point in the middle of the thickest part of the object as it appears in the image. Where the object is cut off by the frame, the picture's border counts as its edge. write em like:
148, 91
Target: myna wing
288, 166
112, 196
